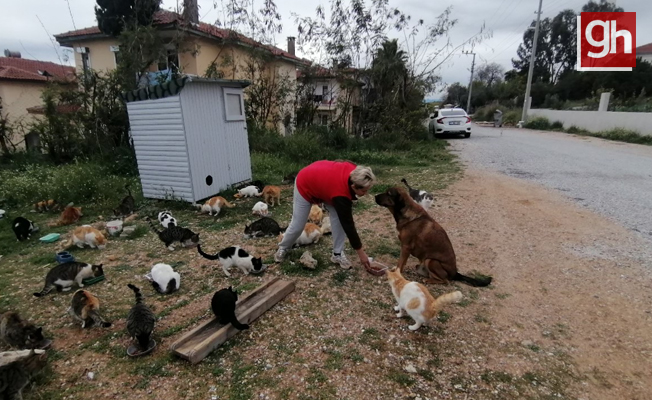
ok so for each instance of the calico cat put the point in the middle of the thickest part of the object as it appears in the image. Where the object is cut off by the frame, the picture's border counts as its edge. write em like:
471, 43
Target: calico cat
214, 204
249, 191
237, 256
260, 209
423, 198
175, 234
69, 216
271, 193
47, 205
166, 219
17, 369
263, 227
64, 275
127, 206
164, 279
316, 214
87, 235
223, 306
415, 299
85, 307
23, 228
18, 333
140, 320
311, 234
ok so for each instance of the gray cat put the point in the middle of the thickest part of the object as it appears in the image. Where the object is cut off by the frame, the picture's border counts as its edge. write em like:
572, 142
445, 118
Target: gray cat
140, 321
18, 333
64, 275
17, 369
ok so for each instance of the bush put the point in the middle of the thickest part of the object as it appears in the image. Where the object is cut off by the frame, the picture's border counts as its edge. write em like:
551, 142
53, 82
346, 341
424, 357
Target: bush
557, 126
575, 129
511, 117
539, 123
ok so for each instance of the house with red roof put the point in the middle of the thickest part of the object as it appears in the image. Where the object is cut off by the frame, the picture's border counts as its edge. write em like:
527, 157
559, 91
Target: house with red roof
645, 52
21, 83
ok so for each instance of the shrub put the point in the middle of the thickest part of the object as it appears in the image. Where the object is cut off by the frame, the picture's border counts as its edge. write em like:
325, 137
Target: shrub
511, 117
540, 123
557, 126
575, 129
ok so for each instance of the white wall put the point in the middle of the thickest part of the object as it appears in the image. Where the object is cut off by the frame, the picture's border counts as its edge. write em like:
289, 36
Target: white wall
646, 57
596, 121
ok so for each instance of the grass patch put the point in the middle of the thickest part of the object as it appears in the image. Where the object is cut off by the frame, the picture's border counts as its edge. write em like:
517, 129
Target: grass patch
443, 317
140, 231
401, 378
490, 377
341, 276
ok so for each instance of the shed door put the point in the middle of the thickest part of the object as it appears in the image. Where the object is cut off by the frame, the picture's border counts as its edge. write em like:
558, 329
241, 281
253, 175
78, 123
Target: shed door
236, 132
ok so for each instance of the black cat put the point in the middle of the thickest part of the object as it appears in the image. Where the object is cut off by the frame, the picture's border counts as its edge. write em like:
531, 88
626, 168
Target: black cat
23, 228
265, 226
223, 306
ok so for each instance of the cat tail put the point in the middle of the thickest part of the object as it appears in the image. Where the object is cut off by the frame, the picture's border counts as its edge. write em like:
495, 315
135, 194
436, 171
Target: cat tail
47, 289
406, 184
239, 326
208, 256
452, 297
149, 220
477, 282
227, 204
139, 296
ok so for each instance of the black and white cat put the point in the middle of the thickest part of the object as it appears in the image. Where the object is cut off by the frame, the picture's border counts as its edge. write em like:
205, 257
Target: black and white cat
166, 219
64, 275
265, 226
23, 228
423, 198
164, 279
237, 256
175, 234
223, 306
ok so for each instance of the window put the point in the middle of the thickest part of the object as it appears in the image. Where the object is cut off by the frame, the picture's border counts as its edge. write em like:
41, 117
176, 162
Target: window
324, 91
86, 62
323, 119
116, 54
452, 113
233, 105
170, 61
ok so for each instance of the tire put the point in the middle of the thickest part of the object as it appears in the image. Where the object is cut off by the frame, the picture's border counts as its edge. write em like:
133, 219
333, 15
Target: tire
467, 135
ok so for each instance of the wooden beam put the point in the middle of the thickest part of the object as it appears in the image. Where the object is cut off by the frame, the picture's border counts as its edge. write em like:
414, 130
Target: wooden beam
195, 345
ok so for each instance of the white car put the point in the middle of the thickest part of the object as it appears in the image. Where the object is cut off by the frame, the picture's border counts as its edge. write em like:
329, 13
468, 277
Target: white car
450, 120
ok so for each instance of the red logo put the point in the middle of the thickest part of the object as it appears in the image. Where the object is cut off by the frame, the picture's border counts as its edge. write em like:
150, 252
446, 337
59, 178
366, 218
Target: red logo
606, 41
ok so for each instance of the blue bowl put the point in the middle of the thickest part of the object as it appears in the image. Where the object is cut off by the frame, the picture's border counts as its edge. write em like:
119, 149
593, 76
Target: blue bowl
64, 257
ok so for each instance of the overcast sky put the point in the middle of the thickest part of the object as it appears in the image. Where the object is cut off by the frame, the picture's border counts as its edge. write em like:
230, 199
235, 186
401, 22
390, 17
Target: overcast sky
21, 30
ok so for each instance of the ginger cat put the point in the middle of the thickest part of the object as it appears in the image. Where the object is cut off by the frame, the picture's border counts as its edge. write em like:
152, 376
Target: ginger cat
87, 235
271, 193
69, 216
311, 234
316, 214
215, 204
415, 299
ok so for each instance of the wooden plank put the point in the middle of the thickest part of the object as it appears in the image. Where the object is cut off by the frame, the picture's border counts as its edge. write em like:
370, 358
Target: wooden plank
195, 345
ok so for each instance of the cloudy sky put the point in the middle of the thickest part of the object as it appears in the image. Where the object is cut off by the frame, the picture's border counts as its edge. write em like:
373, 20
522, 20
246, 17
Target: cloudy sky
28, 25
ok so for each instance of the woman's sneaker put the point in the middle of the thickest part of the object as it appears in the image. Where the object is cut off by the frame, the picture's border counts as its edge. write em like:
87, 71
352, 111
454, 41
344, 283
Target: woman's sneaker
279, 256
342, 260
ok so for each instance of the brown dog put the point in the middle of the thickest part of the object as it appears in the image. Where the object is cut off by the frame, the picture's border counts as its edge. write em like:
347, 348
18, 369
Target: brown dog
421, 236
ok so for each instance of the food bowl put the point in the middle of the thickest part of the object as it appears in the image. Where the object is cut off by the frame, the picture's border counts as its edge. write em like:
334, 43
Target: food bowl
114, 227
50, 237
376, 268
134, 351
2, 214
95, 279
64, 257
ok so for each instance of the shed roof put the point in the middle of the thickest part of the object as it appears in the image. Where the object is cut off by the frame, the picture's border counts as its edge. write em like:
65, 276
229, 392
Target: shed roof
174, 87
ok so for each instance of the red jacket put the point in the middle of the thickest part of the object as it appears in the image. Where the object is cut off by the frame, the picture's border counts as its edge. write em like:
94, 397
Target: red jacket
322, 181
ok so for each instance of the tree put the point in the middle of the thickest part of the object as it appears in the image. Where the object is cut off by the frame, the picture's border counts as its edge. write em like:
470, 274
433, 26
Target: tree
456, 94
601, 6
490, 74
113, 16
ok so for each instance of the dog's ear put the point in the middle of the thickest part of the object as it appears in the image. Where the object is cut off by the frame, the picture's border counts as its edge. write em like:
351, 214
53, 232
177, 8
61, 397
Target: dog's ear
397, 198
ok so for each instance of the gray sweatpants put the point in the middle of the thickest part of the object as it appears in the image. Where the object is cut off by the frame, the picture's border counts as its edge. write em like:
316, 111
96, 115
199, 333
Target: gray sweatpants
300, 213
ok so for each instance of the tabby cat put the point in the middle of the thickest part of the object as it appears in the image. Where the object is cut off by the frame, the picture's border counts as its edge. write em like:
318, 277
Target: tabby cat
64, 275
17, 368
140, 321
23, 228
173, 234
265, 226
223, 306
19, 333
85, 307
127, 206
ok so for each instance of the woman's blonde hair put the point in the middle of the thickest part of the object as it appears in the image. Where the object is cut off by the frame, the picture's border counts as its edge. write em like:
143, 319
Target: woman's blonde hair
362, 177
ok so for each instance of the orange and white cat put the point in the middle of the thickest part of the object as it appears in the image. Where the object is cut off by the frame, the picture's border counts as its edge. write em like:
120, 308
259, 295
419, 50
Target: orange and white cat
69, 216
414, 299
87, 235
214, 204
271, 193
311, 234
316, 214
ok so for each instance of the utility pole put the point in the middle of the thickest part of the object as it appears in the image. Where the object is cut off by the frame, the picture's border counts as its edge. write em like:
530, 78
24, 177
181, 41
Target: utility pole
468, 101
531, 70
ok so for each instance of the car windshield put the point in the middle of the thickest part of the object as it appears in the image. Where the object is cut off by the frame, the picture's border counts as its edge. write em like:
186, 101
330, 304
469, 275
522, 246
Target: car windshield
452, 113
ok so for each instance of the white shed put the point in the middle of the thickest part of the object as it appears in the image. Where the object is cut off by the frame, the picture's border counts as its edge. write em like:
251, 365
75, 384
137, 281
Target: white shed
190, 137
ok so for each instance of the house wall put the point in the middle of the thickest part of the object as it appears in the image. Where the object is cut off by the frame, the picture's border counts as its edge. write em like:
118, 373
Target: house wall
17, 96
596, 121
101, 57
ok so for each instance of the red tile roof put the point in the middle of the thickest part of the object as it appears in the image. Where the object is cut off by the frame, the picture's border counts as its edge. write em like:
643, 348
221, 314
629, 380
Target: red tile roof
28, 70
645, 49
164, 17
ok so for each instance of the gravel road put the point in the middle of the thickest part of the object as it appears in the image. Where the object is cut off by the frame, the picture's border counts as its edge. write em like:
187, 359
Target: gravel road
611, 178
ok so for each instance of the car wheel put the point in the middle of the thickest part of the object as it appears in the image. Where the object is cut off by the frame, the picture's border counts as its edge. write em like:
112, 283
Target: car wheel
467, 135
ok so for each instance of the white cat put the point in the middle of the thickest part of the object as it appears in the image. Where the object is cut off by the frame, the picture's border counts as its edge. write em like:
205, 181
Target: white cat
236, 256
166, 219
164, 279
260, 209
249, 191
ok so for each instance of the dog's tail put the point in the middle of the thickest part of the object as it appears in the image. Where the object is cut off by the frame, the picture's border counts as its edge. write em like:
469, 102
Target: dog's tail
406, 184
477, 282
208, 256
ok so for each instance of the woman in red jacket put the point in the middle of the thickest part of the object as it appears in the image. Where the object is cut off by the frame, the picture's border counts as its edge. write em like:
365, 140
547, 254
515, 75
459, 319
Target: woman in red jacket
336, 184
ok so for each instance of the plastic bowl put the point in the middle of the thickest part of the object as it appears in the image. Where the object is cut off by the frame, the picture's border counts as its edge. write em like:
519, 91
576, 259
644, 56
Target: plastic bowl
114, 227
49, 238
64, 257
95, 279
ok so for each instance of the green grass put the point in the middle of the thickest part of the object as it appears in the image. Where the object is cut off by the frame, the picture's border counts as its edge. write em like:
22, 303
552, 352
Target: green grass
401, 378
617, 134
